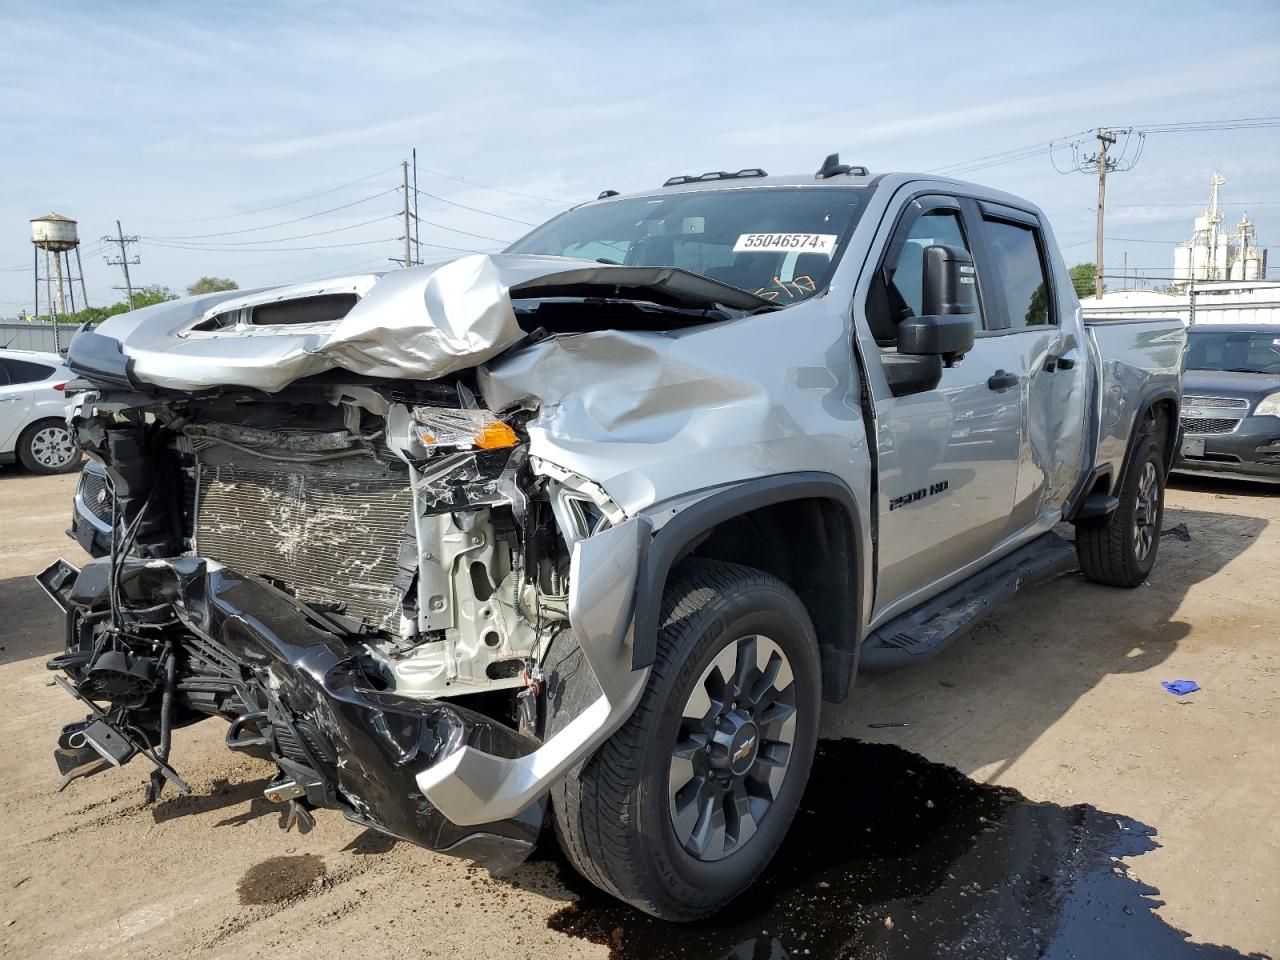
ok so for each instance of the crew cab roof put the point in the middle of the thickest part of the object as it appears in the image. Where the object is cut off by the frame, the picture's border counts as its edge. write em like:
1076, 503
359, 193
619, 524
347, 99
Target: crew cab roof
889, 181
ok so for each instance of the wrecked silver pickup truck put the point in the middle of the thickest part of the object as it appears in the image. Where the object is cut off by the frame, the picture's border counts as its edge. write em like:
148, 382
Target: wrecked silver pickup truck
598, 522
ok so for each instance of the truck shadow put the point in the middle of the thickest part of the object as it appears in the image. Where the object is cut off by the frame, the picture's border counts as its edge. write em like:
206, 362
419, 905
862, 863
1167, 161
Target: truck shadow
925, 864
996, 691
1222, 486
925, 861
224, 794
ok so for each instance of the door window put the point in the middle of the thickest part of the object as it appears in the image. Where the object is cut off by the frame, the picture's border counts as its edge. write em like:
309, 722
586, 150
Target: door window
1020, 271
898, 291
23, 371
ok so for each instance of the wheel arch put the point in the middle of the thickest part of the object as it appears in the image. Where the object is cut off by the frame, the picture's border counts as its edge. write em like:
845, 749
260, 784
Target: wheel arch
802, 528
1158, 418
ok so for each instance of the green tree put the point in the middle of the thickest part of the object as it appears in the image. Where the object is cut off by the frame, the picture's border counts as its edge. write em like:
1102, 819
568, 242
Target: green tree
1082, 279
142, 297
211, 285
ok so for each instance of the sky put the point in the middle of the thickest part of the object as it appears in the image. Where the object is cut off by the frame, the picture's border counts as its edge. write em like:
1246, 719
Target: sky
262, 141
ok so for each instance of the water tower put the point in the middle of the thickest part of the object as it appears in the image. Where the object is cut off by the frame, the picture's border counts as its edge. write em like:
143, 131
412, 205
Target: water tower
56, 236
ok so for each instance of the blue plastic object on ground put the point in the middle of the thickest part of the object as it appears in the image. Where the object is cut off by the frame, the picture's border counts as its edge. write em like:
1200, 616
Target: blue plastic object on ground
1180, 687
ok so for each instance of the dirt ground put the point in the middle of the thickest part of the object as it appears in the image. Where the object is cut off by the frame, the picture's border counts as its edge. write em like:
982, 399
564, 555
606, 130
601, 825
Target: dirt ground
1058, 695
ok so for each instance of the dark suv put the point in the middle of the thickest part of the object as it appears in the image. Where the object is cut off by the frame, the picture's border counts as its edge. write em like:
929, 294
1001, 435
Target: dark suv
1231, 402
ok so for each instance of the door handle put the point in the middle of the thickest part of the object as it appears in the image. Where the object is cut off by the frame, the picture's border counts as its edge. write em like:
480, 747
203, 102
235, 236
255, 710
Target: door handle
1001, 380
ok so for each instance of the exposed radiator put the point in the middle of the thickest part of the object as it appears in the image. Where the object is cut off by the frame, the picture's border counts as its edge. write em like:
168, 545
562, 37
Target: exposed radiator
330, 534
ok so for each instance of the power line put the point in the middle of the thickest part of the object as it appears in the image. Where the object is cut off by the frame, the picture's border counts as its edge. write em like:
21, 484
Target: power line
484, 186
1006, 156
282, 223
298, 236
277, 206
487, 213
465, 233
1199, 126
1029, 151
1199, 203
331, 246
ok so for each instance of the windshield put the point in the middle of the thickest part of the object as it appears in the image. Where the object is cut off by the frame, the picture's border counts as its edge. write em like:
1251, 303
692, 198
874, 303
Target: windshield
1248, 351
780, 243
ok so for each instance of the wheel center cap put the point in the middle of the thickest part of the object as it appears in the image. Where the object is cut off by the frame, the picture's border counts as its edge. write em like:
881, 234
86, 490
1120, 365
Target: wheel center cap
742, 748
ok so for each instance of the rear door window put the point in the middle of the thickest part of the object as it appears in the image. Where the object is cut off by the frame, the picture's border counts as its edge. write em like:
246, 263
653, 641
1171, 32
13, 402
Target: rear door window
1020, 270
24, 371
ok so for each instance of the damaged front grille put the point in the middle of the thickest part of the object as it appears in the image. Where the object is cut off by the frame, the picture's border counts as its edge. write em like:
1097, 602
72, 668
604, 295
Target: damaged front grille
95, 495
329, 533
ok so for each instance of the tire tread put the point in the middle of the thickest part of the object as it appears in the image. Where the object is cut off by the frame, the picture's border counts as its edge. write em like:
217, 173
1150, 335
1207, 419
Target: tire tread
592, 811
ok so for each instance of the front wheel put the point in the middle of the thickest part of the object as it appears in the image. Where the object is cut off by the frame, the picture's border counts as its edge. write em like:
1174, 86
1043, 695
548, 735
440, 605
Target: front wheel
681, 809
1120, 549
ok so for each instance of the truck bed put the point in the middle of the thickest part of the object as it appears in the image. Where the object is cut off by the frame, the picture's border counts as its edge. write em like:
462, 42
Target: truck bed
1137, 360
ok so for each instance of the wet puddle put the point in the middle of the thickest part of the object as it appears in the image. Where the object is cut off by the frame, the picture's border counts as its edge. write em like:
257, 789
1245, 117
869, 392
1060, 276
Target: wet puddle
892, 856
280, 879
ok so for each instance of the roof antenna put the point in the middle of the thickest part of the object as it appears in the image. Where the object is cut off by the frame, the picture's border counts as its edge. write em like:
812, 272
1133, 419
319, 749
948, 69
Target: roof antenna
832, 167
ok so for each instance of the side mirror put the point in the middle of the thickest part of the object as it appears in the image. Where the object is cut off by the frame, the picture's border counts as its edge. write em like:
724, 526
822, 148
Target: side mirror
950, 282
946, 328
949, 307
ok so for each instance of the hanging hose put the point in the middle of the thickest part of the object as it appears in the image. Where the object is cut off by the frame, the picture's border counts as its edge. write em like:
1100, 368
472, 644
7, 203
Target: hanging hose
156, 783
166, 704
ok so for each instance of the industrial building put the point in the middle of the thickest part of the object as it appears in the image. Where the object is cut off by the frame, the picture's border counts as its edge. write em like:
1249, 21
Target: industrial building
1219, 276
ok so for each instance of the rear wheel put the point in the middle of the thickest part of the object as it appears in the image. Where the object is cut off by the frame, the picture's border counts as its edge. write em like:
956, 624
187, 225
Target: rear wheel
1120, 549
46, 447
681, 809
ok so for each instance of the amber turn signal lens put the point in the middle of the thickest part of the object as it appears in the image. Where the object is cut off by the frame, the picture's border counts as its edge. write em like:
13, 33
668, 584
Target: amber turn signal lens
495, 436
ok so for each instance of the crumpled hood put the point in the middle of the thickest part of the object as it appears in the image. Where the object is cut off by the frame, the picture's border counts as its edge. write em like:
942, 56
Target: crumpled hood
421, 323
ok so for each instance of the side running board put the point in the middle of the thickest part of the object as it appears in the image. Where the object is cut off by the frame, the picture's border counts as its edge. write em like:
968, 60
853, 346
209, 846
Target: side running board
923, 631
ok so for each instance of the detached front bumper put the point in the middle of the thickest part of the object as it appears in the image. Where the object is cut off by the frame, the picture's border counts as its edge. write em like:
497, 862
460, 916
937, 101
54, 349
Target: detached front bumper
1250, 452
339, 742
427, 771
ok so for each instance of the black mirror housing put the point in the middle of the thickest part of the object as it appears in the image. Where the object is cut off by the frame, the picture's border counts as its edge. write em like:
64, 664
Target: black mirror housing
911, 374
950, 282
947, 336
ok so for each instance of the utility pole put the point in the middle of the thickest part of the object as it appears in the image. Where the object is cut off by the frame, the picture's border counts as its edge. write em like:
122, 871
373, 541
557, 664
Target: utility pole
408, 235
1103, 163
1105, 139
121, 240
80, 269
417, 245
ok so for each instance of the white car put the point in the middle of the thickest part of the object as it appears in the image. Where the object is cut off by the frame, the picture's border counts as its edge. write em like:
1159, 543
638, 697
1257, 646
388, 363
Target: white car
33, 420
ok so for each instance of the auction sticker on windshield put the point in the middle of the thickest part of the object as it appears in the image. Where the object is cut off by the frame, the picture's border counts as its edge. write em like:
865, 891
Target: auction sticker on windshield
785, 243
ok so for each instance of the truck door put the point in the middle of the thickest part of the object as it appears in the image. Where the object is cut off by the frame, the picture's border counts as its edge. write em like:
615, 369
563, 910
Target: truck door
1026, 302
947, 457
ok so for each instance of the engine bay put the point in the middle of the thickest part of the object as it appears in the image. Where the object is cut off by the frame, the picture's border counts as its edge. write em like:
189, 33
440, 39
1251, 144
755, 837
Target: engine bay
404, 527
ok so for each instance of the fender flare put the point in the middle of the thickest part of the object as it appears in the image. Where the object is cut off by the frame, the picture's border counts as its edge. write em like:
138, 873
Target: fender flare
683, 531
1150, 398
